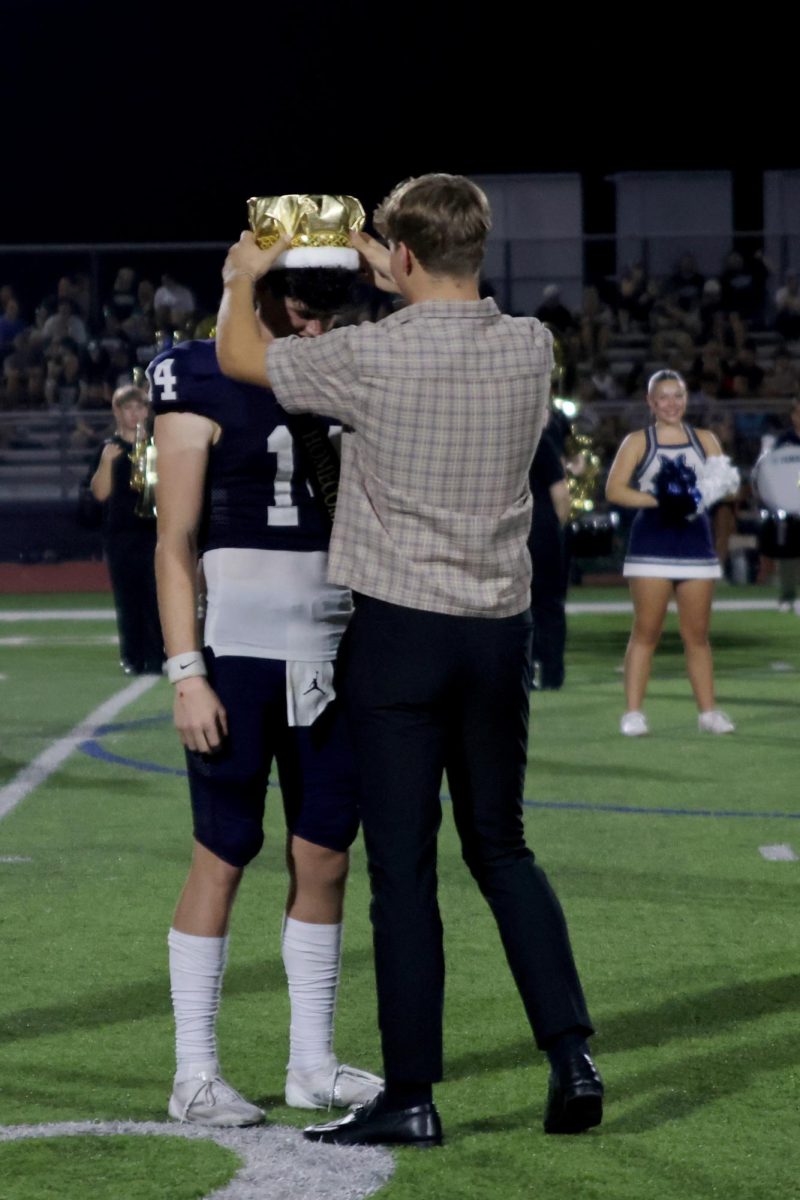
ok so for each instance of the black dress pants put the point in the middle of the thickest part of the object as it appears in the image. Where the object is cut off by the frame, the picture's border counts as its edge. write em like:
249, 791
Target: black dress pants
548, 601
427, 695
130, 558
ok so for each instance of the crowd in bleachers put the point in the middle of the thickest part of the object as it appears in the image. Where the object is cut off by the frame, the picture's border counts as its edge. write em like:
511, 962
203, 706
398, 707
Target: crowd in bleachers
734, 337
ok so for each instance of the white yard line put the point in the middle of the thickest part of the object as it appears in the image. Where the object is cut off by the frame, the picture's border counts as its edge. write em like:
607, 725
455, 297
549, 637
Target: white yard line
57, 614
57, 752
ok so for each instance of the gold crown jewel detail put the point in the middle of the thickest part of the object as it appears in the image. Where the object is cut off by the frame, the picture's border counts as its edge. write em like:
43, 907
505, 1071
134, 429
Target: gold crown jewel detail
308, 220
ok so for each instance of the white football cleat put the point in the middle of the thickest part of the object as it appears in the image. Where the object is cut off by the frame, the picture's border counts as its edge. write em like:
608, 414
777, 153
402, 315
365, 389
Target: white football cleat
715, 721
634, 724
206, 1099
334, 1085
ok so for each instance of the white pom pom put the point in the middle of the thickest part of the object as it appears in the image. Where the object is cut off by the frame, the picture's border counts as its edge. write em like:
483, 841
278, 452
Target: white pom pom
717, 478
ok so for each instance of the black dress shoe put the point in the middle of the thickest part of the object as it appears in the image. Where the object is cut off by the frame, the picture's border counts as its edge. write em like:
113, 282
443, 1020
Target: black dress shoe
371, 1124
574, 1097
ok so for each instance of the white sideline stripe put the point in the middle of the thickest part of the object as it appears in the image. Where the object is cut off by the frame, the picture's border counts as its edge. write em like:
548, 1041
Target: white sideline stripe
783, 852
14, 858
57, 752
105, 639
624, 606
574, 608
57, 614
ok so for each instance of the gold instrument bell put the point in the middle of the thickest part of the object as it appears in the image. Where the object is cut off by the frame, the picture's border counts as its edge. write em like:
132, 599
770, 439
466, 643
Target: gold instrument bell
144, 475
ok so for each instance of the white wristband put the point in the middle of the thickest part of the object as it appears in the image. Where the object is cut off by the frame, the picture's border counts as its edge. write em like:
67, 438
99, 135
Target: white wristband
183, 666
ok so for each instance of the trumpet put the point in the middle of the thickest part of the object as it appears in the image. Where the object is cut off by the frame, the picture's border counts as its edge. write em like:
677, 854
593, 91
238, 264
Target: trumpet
144, 475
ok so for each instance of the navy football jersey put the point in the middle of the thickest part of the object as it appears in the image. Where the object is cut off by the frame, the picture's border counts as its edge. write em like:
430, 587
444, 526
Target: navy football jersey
264, 535
259, 495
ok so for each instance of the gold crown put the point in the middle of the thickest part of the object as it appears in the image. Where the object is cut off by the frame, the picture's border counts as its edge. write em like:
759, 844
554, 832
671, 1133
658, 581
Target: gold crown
310, 221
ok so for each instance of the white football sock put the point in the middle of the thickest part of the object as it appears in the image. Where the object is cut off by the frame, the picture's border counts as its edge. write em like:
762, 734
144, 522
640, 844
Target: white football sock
196, 967
311, 956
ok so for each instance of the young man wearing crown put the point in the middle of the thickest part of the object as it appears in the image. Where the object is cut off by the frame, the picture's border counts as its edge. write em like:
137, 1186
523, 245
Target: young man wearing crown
239, 492
446, 400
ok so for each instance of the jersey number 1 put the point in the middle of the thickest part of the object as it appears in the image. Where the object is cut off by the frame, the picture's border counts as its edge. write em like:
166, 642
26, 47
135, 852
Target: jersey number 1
284, 510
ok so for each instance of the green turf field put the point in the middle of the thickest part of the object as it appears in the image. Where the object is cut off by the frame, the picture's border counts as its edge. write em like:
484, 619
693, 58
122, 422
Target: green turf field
686, 936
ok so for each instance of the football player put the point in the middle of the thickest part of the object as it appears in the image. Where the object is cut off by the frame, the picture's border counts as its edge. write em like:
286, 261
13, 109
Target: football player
241, 489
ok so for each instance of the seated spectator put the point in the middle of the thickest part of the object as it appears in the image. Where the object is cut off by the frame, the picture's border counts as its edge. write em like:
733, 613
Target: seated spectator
743, 285
711, 314
14, 391
23, 383
633, 301
64, 387
783, 378
82, 293
35, 382
97, 375
552, 311
703, 398
140, 326
11, 325
65, 323
596, 320
684, 288
112, 335
123, 294
787, 304
604, 385
744, 365
174, 302
708, 365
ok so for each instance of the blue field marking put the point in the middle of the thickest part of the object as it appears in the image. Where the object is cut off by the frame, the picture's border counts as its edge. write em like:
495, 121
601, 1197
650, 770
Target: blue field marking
94, 750
640, 810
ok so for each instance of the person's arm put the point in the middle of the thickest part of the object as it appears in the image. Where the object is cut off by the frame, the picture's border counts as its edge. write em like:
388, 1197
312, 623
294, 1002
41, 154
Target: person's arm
618, 484
241, 344
102, 481
710, 442
183, 441
559, 494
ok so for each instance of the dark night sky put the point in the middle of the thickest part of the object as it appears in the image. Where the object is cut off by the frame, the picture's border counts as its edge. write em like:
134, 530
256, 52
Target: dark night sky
158, 123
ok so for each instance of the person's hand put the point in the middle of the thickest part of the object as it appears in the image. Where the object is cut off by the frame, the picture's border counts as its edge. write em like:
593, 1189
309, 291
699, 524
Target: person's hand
376, 258
111, 451
245, 258
200, 718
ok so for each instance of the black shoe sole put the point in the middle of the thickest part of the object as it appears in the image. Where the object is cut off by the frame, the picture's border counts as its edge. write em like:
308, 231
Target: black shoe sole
579, 1114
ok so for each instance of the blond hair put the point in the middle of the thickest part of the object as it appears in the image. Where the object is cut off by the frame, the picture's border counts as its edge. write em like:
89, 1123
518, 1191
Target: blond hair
127, 393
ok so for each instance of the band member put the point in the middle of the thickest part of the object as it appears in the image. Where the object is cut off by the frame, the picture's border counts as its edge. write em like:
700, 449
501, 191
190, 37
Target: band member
776, 478
129, 539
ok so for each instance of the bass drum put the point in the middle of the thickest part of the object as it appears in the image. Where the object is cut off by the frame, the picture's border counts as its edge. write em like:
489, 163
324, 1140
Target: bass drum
592, 535
779, 535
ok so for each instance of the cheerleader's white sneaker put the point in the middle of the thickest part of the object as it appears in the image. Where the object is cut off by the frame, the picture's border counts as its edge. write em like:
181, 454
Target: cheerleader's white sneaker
715, 721
634, 724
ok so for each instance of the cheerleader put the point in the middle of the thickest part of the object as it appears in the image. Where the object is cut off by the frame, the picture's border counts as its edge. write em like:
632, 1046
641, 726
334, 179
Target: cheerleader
671, 548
